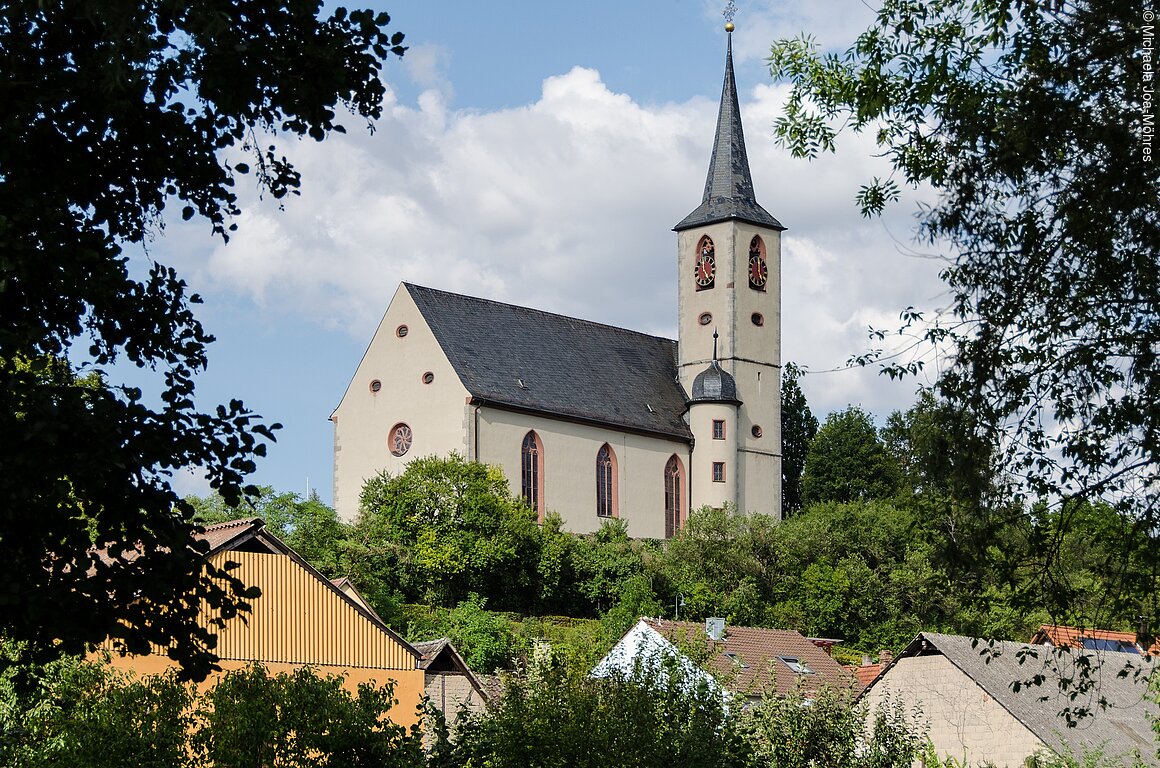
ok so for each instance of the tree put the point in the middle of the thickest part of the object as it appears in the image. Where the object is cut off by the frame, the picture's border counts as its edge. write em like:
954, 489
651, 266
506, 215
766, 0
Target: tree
445, 528
1032, 123
555, 716
88, 715
847, 461
113, 111
798, 427
830, 729
300, 719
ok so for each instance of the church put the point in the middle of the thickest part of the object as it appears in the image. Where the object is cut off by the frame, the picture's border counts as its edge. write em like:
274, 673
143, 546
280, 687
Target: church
588, 420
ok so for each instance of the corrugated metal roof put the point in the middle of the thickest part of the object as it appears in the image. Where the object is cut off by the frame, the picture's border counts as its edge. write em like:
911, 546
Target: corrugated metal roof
532, 360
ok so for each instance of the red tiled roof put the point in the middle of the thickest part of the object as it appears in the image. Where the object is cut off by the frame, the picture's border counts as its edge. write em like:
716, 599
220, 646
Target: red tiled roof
1073, 637
866, 673
748, 659
220, 534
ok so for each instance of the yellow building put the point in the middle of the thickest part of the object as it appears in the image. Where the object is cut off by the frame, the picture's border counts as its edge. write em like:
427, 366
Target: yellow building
300, 619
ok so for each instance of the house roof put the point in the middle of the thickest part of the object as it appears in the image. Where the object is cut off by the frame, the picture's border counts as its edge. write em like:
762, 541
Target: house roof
234, 534
866, 673
1118, 717
644, 649
752, 660
729, 184
1093, 639
526, 359
440, 656
251, 535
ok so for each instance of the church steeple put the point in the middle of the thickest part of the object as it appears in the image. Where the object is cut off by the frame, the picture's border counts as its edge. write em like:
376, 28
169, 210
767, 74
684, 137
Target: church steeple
729, 277
729, 185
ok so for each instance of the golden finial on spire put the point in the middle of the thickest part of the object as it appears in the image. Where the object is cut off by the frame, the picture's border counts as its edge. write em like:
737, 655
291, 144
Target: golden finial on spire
730, 12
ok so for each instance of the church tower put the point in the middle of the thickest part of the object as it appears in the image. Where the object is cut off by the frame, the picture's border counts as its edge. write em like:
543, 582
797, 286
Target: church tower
729, 306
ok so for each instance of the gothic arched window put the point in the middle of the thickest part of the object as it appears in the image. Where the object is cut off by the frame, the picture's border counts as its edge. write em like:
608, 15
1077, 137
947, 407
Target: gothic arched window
606, 482
674, 507
758, 269
532, 472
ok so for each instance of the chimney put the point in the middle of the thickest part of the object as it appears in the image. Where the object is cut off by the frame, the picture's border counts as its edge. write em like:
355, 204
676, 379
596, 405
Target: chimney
866, 660
715, 629
885, 657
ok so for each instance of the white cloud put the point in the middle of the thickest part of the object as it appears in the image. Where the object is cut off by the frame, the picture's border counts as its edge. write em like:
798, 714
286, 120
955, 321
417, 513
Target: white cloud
566, 204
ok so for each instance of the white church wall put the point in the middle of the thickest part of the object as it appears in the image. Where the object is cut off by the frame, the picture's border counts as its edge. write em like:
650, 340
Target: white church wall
434, 412
759, 480
707, 490
718, 302
570, 468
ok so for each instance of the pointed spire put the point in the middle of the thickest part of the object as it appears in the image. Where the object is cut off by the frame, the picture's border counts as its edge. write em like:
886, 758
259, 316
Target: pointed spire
714, 345
729, 185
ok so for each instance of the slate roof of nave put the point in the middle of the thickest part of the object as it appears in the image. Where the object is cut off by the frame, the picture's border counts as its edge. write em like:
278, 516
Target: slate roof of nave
537, 361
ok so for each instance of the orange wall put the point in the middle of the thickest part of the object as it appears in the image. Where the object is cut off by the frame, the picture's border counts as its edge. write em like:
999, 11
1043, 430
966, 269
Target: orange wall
408, 684
301, 620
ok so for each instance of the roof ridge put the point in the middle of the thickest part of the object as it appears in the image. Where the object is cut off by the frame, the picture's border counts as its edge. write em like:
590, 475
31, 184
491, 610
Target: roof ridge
534, 310
239, 522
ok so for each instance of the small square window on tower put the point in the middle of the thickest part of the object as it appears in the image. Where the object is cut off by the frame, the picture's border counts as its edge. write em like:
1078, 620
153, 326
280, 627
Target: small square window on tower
718, 471
718, 429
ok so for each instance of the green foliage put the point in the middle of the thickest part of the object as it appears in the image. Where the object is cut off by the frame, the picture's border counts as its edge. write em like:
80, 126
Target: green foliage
636, 599
847, 461
1025, 119
113, 111
252, 719
556, 717
85, 714
940, 453
828, 730
708, 559
798, 427
89, 716
446, 528
484, 638
604, 562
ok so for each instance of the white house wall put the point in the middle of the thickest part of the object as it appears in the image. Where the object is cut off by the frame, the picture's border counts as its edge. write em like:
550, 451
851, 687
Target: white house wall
435, 412
962, 719
570, 468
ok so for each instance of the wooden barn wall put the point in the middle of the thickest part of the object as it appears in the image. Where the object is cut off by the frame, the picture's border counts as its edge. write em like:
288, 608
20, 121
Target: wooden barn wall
300, 620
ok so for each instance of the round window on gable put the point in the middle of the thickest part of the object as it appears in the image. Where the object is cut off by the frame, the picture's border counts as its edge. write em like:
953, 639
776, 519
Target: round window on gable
758, 319
705, 318
428, 377
401, 331
756, 430
399, 440
376, 385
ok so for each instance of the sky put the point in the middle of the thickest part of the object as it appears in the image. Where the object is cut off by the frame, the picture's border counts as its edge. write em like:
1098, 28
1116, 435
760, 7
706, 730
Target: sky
540, 154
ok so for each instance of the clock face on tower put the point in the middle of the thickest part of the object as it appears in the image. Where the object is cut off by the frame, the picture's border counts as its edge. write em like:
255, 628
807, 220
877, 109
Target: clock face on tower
705, 269
758, 271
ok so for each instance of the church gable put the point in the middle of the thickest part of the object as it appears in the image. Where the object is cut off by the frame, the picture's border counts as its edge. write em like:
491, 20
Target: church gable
405, 400
526, 359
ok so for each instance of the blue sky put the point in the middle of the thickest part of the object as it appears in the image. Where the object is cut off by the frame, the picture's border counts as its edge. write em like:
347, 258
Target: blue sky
540, 154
